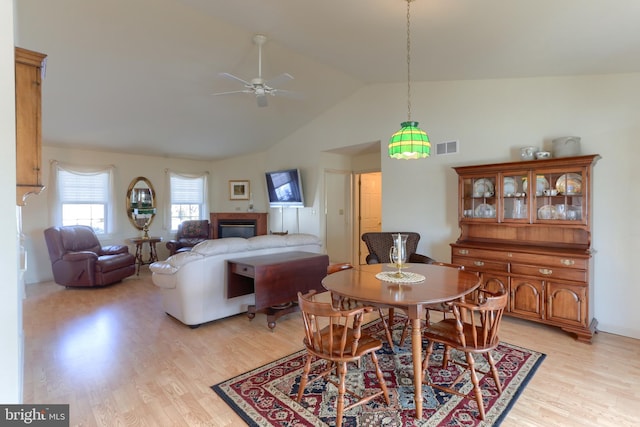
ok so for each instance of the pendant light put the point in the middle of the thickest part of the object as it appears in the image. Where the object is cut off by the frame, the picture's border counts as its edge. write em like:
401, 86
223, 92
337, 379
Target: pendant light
410, 142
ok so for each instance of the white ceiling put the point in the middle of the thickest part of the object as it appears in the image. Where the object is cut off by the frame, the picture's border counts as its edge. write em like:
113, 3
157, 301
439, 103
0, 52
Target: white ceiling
137, 75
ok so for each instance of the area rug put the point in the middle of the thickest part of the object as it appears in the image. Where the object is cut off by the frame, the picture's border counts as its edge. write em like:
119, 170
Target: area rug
266, 396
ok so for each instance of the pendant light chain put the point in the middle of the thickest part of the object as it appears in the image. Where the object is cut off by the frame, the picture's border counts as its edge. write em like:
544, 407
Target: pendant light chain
409, 60
410, 142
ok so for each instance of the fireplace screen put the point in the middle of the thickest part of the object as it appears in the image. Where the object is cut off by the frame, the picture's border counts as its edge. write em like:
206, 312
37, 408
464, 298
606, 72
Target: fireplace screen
244, 229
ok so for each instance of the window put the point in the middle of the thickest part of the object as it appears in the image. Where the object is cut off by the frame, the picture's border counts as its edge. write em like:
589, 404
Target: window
83, 197
188, 198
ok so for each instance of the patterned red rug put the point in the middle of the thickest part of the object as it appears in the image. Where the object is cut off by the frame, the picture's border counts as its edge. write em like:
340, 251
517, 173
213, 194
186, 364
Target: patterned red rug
266, 396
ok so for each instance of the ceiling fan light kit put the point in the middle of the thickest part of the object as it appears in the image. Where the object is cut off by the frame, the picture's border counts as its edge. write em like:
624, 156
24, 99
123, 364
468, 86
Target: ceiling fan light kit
259, 87
410, 142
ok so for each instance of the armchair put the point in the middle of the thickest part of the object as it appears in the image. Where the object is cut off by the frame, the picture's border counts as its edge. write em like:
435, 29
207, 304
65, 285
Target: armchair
78, 258
190, 233
379, 244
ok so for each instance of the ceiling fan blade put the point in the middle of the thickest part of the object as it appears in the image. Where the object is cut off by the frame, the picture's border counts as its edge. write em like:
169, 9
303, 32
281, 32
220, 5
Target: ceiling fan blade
238, 79
276, 81
232, 91
262, 100
287, 93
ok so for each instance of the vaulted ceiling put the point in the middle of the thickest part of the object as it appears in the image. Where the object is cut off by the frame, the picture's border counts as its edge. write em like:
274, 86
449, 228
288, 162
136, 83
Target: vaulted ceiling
138, 75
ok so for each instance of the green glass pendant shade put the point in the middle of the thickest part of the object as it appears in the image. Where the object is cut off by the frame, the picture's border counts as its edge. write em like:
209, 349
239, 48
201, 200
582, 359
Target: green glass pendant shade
410, 142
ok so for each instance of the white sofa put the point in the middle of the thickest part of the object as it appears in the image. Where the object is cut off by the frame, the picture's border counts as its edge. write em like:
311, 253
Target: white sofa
193, 284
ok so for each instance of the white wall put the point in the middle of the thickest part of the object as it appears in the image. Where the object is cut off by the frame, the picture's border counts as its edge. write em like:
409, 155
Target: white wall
11, 335
244, 168
492, 119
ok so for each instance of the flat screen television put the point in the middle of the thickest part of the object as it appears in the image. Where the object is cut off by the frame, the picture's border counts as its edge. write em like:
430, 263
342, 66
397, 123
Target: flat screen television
284, 188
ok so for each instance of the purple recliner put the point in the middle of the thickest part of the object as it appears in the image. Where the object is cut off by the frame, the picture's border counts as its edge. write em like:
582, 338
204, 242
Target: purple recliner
78, 259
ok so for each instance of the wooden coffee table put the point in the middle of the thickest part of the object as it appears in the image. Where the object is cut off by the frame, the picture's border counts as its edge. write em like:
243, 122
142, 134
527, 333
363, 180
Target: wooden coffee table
276, 280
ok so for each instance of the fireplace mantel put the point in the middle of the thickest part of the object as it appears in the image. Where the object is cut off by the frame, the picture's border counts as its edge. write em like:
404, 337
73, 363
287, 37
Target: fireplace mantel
259, 217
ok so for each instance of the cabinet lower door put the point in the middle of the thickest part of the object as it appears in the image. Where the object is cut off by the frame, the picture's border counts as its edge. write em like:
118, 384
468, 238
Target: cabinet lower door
527, 297
494, 282
567, 304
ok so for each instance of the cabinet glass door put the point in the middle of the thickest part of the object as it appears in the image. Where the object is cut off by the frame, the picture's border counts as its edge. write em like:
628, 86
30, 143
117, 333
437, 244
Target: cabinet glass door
514, 197
479, 197
559, 197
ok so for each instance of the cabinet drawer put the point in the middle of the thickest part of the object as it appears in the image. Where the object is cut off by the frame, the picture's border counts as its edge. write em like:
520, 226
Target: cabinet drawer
478, 264
550, 260
549, 272
479, 253
243, 269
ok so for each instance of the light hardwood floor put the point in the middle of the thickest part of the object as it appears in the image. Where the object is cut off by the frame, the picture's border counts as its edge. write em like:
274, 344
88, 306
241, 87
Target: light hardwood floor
118, 359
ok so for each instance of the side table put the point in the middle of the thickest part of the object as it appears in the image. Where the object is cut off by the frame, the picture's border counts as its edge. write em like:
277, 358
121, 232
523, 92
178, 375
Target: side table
139, 242
276, 279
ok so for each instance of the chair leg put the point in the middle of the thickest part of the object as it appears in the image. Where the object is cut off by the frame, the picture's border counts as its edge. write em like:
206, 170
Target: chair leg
383, 384
391, 312
342, 375
387, 326
304, 378
494, 372
405, 331
446, 355
425, 361
476, 385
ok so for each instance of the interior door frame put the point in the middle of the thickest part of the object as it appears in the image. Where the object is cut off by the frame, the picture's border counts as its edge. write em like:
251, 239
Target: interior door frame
348, 190
356, 212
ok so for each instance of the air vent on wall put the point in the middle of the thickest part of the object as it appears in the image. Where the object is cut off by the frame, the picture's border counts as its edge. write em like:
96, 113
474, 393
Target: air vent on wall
448, 147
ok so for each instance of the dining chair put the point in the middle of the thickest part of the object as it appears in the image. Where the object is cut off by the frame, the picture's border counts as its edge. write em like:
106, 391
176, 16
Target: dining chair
379, 243
334, 268
336, 336
441, 306
348, 303
472, 330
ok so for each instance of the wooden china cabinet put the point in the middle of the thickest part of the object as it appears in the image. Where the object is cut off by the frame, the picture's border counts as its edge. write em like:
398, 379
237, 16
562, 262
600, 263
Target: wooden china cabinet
29, 68
526, 226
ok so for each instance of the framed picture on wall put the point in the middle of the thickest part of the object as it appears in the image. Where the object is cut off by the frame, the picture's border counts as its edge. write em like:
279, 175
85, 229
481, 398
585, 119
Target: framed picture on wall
239, 190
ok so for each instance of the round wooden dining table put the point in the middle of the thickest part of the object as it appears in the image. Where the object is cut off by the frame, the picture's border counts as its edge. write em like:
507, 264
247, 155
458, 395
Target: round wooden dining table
440, 284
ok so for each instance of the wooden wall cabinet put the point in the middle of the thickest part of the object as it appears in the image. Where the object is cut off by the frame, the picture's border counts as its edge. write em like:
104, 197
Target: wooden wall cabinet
29, 68
533, 241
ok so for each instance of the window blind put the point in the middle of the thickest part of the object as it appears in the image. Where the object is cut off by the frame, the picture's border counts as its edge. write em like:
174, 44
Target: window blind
83, 188
187, 190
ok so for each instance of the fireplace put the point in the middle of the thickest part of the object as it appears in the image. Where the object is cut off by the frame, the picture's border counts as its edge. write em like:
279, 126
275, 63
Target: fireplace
236, 228
238, 224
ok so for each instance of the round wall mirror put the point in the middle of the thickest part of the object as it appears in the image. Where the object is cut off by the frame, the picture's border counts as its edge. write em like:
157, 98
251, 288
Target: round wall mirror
141, 204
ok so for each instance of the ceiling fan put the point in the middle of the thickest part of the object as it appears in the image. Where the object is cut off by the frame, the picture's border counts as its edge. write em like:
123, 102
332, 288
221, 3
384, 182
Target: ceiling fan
258, 86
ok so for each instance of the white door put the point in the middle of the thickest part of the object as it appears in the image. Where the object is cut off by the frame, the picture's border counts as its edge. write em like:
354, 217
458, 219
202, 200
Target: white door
370, 208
